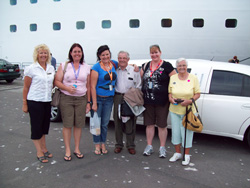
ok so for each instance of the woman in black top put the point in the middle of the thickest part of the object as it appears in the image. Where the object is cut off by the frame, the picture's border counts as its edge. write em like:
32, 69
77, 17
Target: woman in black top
155, 75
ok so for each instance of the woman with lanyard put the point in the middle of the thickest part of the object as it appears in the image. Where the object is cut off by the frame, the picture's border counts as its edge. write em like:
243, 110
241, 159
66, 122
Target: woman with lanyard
74, 84
103, 78
155, 75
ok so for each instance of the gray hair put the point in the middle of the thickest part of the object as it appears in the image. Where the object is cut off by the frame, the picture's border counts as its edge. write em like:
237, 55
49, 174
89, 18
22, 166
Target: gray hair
124, 52
181, 59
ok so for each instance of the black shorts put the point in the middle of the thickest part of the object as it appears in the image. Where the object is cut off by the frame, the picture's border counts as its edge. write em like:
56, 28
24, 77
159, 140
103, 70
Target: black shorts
156, 115
39, 118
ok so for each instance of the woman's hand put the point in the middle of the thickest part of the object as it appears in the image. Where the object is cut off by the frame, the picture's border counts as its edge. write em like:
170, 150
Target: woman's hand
172, 100
186, 102
25, 108
94, 107
71, 89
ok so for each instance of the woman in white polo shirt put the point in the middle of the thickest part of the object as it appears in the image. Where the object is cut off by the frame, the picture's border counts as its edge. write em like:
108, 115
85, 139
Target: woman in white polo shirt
38, 83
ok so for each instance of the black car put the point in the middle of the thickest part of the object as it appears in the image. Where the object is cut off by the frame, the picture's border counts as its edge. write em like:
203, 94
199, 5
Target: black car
8, 71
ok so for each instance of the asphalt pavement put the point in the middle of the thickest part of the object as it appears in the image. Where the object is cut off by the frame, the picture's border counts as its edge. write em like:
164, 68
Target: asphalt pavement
215, 161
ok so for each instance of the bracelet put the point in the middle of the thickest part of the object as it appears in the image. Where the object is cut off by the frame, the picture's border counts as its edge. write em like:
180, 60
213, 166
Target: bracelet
89, 102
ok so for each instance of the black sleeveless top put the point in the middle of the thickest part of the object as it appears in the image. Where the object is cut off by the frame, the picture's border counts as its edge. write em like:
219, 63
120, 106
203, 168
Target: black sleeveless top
158, 93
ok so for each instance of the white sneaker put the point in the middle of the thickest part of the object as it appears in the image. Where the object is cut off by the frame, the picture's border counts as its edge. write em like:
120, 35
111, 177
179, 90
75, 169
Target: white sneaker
187, 160
148, 150
175, 157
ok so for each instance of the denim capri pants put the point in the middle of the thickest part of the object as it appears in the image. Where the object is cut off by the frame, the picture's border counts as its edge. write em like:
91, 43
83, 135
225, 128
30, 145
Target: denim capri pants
178, 131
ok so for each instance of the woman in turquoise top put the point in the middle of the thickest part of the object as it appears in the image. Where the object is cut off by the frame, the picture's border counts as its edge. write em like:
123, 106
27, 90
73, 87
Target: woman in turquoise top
103, 78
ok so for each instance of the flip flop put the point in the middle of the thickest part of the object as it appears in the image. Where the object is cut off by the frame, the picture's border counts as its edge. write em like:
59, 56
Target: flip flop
67, 158
97, 152
43, 159
104, 151
79, 155
48, 154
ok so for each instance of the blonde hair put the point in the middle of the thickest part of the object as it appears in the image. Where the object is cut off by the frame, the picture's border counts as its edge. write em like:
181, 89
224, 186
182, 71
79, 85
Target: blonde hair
36, 51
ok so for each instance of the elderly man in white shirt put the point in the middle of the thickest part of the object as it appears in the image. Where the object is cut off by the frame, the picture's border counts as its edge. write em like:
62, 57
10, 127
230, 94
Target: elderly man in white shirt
126, 78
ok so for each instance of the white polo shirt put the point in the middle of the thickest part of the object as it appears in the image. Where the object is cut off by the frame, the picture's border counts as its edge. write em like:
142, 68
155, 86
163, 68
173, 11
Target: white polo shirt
42, 82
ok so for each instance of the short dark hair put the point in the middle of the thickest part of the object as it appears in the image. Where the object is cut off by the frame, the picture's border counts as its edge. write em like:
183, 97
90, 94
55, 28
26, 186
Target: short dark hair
100, 50
71, 49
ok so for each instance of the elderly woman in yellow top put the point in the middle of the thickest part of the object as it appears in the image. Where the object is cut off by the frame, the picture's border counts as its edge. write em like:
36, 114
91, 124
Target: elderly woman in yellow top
38, 83
182, 86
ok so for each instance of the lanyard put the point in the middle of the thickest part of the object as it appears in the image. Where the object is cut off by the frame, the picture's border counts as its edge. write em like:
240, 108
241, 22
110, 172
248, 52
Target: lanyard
76, 74
110, 73
151, 69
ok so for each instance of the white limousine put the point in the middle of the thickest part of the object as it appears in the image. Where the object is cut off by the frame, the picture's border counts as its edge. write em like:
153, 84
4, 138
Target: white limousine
224, 104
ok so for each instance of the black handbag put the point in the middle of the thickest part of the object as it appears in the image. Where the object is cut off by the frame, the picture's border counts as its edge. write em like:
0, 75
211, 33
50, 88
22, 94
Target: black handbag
125, 110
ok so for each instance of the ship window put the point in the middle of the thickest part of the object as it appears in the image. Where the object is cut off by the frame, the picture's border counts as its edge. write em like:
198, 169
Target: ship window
80, 25
57, 26
13, 28
12, 2
33, 27
134, 23
166, 22
198, 22
33, 1
231, 23
106, 24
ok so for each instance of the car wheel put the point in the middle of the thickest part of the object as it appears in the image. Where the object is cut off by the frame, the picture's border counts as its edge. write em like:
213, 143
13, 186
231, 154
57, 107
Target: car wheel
247, 138
55, 114
10, 81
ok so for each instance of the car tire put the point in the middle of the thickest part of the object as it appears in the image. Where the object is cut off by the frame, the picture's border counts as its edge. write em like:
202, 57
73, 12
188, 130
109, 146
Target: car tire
55, 114
10, 81
247, 137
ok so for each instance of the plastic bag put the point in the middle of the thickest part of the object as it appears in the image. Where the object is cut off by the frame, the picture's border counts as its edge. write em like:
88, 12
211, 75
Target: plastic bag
95, 124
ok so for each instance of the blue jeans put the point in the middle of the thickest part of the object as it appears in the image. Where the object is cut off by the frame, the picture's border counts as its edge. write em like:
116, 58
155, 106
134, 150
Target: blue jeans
104, 108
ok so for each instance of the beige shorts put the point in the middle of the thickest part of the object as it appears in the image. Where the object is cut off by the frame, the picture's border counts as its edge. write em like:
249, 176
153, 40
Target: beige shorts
73, 110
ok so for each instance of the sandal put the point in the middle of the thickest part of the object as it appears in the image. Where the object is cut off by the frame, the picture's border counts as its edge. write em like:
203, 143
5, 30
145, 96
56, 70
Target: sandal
79, 155
97, 152
43, 159
48, 154
67, 158
104, 151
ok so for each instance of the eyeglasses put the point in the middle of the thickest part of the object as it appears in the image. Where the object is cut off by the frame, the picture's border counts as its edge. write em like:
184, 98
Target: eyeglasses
181, 65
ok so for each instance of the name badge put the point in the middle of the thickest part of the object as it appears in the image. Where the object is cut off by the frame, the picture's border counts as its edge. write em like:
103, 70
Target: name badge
111, 87
150, 85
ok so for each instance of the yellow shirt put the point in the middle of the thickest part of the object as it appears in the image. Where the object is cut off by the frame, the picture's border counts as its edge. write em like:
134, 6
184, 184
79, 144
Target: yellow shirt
182, 89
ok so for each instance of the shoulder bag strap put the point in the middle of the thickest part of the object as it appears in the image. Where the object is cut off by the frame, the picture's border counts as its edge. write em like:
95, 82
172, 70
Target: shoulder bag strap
145, 66
195, 105
64, 69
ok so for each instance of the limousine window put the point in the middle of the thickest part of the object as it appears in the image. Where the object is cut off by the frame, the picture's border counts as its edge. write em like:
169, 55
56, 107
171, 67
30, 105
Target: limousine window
230, 83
